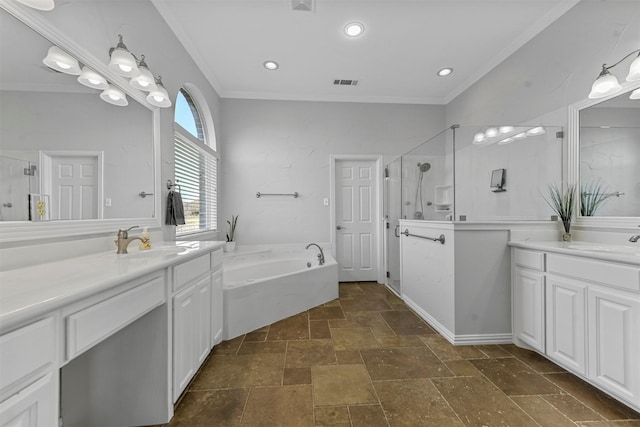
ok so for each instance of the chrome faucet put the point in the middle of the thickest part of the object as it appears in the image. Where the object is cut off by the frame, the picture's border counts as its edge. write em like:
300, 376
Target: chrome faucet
634, 238
320, 255
124, 239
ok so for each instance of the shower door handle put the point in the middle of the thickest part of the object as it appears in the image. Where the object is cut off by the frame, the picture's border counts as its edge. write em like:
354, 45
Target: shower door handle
396, 230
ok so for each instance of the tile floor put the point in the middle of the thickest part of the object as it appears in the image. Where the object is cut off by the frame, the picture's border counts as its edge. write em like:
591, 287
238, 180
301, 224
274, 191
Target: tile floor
366, 360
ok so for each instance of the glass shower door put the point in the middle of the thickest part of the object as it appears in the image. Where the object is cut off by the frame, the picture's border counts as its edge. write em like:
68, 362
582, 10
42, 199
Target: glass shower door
392, 214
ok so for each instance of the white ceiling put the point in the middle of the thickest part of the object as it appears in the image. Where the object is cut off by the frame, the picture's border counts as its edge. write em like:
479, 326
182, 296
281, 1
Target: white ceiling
395, 60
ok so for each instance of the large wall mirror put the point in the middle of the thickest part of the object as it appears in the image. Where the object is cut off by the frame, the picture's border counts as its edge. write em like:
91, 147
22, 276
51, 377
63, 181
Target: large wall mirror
605, 159
92, 164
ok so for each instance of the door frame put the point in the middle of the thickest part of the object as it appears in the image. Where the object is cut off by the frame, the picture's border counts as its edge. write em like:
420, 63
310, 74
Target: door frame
46, 169
378, 220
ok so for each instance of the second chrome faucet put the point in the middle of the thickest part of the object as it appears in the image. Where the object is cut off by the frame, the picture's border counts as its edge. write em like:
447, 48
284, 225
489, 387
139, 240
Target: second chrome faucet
320, 255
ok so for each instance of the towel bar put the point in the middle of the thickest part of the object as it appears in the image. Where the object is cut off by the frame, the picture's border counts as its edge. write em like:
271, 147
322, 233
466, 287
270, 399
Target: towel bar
294, 195
435, 239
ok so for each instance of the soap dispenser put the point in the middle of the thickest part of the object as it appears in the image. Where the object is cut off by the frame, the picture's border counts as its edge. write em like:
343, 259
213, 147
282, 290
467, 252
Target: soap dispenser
147, 243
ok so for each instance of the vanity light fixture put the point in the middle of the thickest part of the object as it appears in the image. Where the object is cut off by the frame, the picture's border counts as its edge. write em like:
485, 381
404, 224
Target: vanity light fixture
505, 129
91, 79
354, 29
159, 97
479, 138
491, 132
506, 141
635, 94
59, 60
114, 96
521, 135
122, 61
145, 81
607, 84
45, 5
445, 72
538, 130
271, 65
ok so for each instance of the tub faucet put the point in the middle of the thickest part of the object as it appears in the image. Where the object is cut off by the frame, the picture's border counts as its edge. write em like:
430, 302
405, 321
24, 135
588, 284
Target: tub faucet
634, 238
320, 255
124, 239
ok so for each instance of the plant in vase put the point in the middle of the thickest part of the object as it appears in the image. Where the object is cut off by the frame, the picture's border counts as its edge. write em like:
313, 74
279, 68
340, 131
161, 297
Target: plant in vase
592, 196
230, 244
562, 201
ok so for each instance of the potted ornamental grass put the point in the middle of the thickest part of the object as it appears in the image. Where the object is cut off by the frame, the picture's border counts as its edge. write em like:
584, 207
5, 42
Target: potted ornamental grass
562, 200
230, 244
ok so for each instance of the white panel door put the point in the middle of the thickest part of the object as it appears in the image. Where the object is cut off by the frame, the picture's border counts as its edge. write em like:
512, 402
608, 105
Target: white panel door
356, 231
566, 323
74, 184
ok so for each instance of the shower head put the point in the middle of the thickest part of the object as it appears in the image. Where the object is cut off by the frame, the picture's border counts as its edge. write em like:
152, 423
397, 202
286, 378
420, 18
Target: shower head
424, 167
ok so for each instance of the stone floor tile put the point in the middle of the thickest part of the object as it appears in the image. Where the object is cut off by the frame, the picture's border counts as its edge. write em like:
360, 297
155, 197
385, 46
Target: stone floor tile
494, 350
462, 368
542, 412
447, 351
349, 290
572, 408
514, 378
246, 370
279, 406
353, 339
229, 347
326, 313
214, 407
479, 403
332, 416
625, 423
395, 341
319, 329
406, 323
262, 347
414, 402
604, 405
342, 385
364, 304
348, 357
258, 335
309, 353
367, 416
403, 363
293, 376
537, 362
292, 328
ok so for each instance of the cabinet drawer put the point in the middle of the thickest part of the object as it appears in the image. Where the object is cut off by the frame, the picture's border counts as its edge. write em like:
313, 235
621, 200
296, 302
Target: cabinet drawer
529, 259
27, 350
216, 259
600, 272
186, 272
91, 325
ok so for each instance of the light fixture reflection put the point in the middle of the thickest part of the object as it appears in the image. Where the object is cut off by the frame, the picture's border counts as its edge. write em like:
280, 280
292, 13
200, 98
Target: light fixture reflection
61, 61
635, 94
491, 132
505, 129
92, 79
479, 138
539, 130
506, 141
114, 96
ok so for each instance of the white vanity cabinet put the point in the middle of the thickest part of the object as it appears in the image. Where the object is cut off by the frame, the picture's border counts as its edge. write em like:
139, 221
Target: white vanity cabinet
29, 376
588, 310
197, 315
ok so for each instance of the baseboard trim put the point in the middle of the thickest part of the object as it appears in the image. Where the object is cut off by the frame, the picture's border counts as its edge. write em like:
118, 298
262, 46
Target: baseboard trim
473, 339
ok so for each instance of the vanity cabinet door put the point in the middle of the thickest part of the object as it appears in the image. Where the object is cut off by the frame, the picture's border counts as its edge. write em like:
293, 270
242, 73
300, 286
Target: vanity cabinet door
203, 339
566, 323
34, 406
184, 338
614, 347
528, 302
217, 306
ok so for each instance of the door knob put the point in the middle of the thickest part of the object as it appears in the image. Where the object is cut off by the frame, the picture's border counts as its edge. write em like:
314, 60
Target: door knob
339, 227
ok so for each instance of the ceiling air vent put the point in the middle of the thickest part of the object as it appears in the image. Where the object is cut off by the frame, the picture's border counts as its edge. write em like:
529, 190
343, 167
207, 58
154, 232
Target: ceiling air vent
302, 5
345, 82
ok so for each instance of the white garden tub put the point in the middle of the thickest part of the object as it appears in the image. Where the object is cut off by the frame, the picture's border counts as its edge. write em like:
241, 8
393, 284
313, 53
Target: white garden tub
268, 285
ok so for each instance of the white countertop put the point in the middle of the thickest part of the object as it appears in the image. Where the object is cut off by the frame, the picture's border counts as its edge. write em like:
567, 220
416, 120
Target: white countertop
35, 290
602, 251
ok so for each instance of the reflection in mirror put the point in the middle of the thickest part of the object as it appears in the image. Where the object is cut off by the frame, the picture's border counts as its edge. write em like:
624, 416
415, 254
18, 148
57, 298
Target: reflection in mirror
59, 139
609, 162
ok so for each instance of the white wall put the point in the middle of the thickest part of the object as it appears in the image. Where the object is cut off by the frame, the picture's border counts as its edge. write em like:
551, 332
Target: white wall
285, 146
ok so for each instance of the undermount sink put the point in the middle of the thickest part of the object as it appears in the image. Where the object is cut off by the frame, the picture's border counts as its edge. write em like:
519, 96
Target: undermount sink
596, 247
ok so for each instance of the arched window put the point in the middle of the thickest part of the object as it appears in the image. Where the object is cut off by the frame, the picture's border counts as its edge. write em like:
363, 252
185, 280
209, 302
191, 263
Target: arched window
196, 164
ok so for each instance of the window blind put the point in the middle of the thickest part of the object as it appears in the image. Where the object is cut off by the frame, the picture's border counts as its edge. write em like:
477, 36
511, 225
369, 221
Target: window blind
196, 174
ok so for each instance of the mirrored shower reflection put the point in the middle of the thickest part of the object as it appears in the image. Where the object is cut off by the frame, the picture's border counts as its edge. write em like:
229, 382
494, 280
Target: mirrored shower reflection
18, 178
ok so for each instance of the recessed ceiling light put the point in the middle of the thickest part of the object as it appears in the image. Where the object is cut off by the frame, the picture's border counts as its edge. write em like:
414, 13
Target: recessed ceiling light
445, 72
271, 65
354, 29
